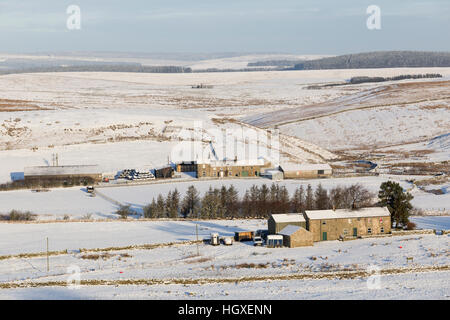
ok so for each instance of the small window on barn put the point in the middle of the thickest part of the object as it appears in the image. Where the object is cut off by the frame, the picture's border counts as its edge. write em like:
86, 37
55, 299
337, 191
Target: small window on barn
324, 222
320, 171
204, 173
382, 230
345, 232
369, 230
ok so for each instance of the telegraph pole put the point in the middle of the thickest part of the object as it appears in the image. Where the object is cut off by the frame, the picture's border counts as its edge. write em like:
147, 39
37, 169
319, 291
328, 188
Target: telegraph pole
196, 231
48, 262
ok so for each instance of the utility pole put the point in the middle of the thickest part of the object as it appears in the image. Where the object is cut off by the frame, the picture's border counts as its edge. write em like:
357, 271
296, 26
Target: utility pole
196, 231
48, 262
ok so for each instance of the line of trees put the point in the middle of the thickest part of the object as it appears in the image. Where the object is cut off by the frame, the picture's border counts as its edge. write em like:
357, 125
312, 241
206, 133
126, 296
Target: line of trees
257, 202
125, 67
380, 59
364, 79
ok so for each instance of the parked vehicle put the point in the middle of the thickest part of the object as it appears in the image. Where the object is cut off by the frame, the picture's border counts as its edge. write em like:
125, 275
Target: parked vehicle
90, 189
257, 241
228, 241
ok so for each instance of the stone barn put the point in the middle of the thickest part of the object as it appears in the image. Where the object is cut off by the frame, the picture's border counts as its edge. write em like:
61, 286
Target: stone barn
345, 223
306, 170
296, 236
231, 168
72, 174
278, 222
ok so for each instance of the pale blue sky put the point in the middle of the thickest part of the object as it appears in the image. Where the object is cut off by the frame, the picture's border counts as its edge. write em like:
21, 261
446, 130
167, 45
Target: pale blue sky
296, 26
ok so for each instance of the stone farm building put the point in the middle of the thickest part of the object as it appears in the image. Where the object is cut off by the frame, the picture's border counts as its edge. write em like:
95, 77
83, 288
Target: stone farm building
305, 170
344, 223
69, 173
278, 222
296, 236
224, 168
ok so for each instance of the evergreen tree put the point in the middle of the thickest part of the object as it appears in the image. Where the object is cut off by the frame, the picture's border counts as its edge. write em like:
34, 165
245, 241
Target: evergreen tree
232, 205
174, 204
149, 210
263, 201
254, 201
223, 202
298, 200
160, 211
246, 205
210, 204
191, 203
309, 199
283, 200
392, 196
321, 198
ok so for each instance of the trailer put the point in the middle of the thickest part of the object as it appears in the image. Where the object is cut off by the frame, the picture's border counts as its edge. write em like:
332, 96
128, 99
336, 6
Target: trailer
215, 239
244, 236
274, 241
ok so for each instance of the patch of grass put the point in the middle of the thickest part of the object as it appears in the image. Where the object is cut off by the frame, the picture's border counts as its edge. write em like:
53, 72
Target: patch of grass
16, 215
97, 256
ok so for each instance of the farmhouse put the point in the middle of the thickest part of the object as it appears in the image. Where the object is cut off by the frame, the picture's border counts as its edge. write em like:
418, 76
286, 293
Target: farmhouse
296, 236
72, 173
231, 168
278, 222
345, 223
305, 170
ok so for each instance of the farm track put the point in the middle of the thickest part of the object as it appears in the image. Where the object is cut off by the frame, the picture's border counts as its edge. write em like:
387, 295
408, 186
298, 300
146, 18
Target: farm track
340, 275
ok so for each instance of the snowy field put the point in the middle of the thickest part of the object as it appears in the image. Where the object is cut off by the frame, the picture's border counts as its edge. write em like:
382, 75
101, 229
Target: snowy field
428, 286
30, 237
75, 235
76, 203
95, 113
132, 120
435, 223
328, 270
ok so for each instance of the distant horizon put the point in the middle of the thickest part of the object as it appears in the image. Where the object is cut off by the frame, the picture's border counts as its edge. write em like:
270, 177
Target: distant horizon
224, 53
